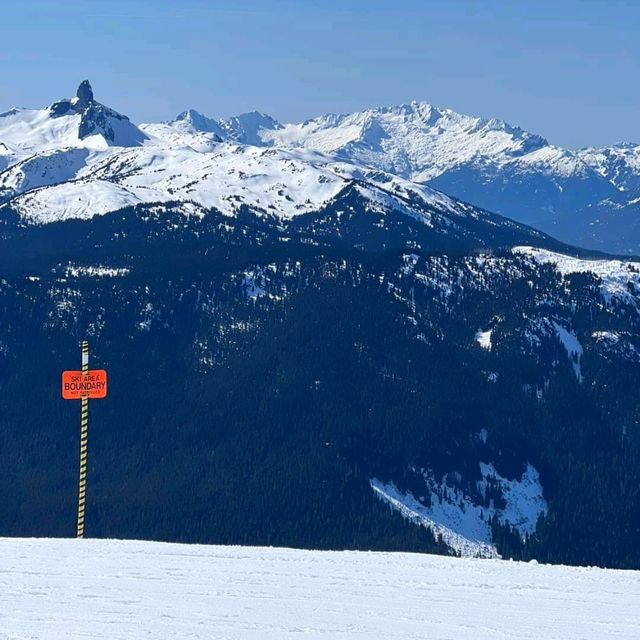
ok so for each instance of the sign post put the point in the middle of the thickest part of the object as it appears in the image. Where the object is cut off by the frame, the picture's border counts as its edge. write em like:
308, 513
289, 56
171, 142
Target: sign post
83, 385
84, 438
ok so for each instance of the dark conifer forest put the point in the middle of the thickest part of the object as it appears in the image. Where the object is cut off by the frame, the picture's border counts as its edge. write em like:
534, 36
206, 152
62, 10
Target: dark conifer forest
260, 378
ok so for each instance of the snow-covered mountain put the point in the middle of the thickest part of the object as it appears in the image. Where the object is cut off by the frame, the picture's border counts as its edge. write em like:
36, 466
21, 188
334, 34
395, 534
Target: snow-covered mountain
277, 182
71, 161
77, 122
619, 164
589, 197
580, 196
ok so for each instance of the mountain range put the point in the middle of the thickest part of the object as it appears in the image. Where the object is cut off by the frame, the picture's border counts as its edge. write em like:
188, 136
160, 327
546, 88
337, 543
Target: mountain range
306, 347
589, 197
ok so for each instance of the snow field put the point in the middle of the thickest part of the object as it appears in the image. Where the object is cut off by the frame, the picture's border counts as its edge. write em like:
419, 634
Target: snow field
117, 590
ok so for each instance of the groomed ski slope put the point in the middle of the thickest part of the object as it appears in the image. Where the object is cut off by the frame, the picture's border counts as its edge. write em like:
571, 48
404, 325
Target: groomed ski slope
96, 589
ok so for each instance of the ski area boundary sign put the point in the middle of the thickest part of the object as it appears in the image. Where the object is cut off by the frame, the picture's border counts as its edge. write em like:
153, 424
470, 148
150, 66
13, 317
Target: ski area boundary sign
77, 385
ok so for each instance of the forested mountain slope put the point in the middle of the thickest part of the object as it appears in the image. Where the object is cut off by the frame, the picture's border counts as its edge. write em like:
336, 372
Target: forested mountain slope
264, 378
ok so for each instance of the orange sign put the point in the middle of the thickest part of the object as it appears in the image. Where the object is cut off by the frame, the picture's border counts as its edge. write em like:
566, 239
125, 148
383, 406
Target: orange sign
76, 384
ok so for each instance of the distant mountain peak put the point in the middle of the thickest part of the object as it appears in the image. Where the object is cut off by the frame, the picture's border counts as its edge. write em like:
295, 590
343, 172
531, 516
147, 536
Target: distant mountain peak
97, 119
247, 127
195, 121
82, 100
190, 115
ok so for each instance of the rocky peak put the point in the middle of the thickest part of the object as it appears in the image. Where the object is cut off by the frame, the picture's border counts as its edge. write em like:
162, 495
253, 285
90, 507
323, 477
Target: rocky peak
84, 95
96, 118
83, 100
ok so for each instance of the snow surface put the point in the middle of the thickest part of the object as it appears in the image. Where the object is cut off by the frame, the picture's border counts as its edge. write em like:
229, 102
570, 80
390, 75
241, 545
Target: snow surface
94, 271
573, 347
483, 338
463, 524
279, 183
129, 590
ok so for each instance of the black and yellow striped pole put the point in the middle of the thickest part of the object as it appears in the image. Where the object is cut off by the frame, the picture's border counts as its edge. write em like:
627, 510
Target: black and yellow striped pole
83, 385
84, 434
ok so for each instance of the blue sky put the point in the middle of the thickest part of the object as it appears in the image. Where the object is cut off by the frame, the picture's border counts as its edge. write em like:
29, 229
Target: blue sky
566, 69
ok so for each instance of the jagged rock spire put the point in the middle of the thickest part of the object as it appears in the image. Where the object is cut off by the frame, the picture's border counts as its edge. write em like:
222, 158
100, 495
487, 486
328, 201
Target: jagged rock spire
84, 94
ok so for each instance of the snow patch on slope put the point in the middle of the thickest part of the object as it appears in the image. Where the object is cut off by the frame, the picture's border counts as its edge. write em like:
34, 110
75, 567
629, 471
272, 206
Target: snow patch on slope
462, 523
462, 532
618, 343
47, 168
94, 271
573, 347
618, 277
483, 338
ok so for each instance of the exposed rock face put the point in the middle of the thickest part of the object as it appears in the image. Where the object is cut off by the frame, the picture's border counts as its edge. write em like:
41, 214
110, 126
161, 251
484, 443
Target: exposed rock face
60, 108
94, 119
84, 95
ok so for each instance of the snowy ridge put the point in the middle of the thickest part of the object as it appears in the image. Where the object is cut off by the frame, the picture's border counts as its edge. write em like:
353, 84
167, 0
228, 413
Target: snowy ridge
462, 523
618, 277
75, 184
171, 136
78, 158
421, 142
488, 162
416, 141
129, 590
